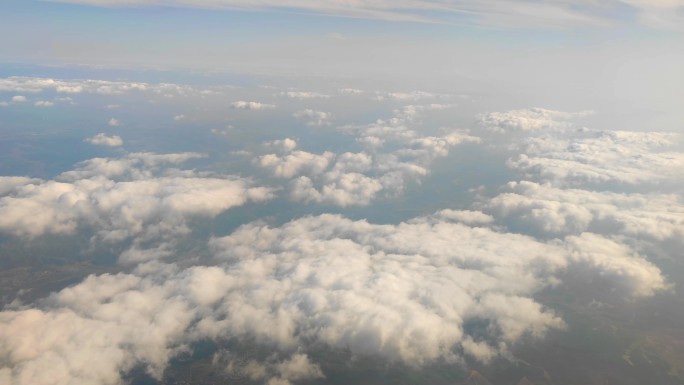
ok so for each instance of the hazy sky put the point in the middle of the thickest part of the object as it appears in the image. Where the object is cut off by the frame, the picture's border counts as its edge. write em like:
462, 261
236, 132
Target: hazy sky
610, 55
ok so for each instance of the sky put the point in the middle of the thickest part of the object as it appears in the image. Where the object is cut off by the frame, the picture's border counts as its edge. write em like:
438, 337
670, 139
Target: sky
333, 192
619, 55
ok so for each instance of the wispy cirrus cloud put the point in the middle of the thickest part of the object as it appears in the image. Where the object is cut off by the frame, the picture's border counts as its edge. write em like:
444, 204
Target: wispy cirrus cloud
497, 13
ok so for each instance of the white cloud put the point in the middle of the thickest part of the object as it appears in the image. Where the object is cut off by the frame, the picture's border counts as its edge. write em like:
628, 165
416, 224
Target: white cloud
371, 142
271, 371
19, 99
298, 367
304, 95
629, 158
102, 139
404, 96
243, 105
136, 199
179, 117
345, 189
468, 217
76, 86
413, 111
71, 89
284, 145
402, 292
358, 178
114, 122
326, 178
618, 262
9, 183
572, 211
66, 99
295, 163
43, 103
532, 119
350, 91
313, 118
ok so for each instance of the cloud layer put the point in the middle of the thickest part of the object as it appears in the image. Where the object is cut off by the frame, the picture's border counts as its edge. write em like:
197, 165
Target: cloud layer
77, 86
409, 292
395, 154
460, 284
136, 198
571, 211
628, 158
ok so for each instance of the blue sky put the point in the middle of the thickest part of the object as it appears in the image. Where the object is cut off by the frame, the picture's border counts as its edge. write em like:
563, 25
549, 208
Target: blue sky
490, 44
147, 34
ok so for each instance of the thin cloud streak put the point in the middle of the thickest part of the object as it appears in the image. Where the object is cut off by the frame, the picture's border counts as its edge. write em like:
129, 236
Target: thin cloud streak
495, 13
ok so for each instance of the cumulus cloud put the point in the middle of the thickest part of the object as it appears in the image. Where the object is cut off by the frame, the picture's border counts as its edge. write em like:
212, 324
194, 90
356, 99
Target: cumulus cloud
66, 99
295, 163
304, 95
404, 96
344, 180
553, 150
19, 99
415, 151
135, 199
8, 183
243, 105
617, 262
596, 189
399, 128
349, 178
102, 139
271, 371
405, 293
554, 211
532, 119
114, 122
43, 103
76, 86
341, 182
468, 217
347, 189
350, 91
313, 118
283, 145
629, 158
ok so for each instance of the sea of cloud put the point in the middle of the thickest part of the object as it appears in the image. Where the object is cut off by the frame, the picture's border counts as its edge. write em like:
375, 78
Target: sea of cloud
580, 199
